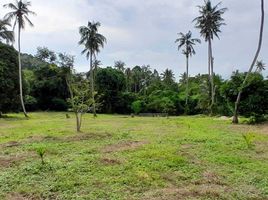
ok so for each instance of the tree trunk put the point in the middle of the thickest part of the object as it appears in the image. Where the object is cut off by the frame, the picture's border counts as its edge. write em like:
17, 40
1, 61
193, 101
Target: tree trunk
78, 124
92, 84
235, 118
20, 75
187, 80
211, 76
209, 61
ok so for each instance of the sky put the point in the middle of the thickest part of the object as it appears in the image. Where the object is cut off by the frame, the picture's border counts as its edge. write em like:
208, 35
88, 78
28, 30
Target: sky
142, 32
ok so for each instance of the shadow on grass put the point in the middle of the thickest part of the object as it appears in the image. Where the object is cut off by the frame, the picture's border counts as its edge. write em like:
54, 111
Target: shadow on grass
13, 118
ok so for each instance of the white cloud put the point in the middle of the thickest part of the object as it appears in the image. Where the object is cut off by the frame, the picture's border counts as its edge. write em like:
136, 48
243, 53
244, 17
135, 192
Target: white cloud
143, 32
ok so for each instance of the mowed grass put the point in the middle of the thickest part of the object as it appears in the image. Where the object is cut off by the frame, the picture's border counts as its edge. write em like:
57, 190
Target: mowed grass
119, 157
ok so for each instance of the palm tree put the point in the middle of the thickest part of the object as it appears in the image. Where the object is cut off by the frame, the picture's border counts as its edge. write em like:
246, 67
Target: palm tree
186, 41
235, 118
128, 74
5, 34
119, 65
260, 66
92, 41
168, 76
20, 12
209, 22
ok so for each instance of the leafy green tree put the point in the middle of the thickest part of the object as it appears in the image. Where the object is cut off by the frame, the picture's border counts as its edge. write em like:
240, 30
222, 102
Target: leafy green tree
92, 41
20, 12
238, 99
80, 99
46, 55
209, 22
9, 87
187, 42
110, 84
6, 34
136, 106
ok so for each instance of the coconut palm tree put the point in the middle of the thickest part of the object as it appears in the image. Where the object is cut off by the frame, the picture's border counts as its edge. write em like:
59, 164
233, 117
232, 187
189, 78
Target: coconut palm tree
260, 66
5, 34
128, 74
209, 23
187, 42
92, 41
235, 118
20, 12
168, 76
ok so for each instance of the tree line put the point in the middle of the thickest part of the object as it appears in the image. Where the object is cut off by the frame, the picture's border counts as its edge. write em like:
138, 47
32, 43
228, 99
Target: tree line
51, 83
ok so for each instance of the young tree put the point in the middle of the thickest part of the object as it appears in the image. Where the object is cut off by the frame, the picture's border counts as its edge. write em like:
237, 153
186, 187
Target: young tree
80, 100
235, 118
92, 41
209, 22
20, 12
5, 34
187, 42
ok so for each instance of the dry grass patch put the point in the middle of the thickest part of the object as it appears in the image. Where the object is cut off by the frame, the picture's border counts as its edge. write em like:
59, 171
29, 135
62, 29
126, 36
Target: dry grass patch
124, 146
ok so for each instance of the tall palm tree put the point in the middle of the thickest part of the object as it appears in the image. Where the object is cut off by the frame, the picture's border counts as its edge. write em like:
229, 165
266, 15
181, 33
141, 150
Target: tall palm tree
128, 74
260, 66
6, 34
235, 118
209, 22
20, 13
186, 41
92, 41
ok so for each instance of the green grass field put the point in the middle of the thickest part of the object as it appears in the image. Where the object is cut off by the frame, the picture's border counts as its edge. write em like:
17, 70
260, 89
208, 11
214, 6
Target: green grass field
119, 157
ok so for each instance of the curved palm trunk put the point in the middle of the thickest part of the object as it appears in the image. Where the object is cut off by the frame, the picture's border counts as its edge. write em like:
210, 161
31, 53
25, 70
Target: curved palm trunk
92, 84
211, 76
20, 75
187, 81
235, 118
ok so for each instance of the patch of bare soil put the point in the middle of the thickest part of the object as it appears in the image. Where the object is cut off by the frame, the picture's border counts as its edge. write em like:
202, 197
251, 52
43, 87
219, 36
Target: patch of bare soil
86, 136
212, 191
17, 196
10, 144
123, 146
110, 161
263, 128
8, 161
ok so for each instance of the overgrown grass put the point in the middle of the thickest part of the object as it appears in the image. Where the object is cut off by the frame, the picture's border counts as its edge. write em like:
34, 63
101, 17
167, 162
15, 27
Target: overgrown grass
119, 157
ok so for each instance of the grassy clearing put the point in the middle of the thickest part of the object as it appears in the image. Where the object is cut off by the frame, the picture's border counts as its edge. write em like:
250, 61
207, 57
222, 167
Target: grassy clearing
119, 157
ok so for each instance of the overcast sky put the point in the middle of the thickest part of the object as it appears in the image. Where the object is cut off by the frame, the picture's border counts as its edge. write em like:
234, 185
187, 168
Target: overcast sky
143, 32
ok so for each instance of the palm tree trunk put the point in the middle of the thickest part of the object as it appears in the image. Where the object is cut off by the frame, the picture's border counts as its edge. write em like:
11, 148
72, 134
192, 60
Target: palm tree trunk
92, 84
187, 80
20, 75
209, 60
235, 118
211, 76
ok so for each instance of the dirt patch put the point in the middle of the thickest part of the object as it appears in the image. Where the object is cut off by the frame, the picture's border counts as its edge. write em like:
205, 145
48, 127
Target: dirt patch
212, 191
110, 161
10, 144
263, 128
17, 196
123, 146
86, 136
8, 161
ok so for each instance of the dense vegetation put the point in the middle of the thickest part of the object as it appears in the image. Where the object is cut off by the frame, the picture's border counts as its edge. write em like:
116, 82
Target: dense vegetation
123, 90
